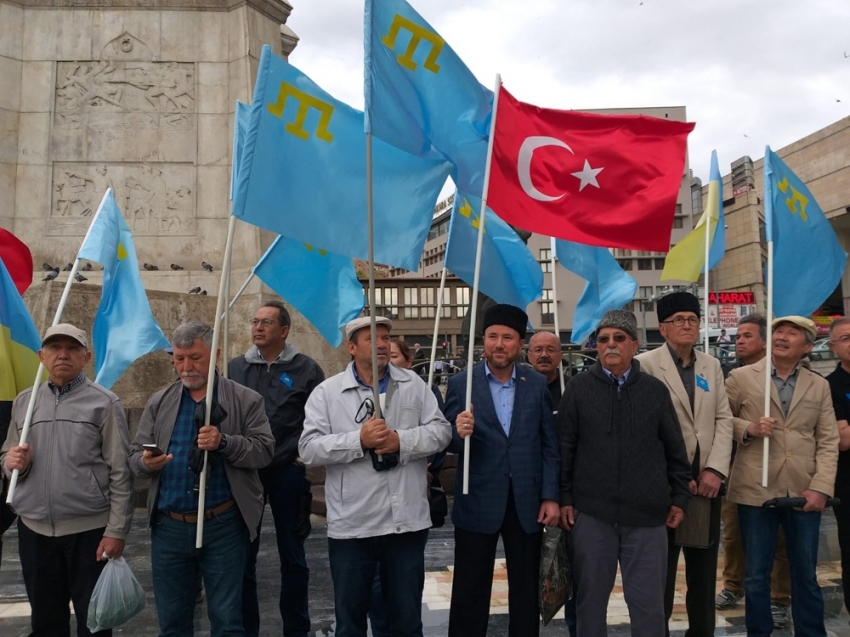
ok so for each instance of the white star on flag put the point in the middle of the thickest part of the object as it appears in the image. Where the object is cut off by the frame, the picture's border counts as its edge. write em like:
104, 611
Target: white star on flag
587, 176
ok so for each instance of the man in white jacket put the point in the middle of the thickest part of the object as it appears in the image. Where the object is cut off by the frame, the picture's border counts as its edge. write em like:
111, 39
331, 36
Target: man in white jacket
378, 515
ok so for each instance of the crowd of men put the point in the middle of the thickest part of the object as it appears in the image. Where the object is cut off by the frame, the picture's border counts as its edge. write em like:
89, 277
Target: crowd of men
638, 459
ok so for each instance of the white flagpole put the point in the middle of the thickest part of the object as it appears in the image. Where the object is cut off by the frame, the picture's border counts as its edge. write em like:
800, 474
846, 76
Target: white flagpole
239, 293
437, 326
13, 483
373, 325
705, 281
768, 360
473, 312
219, 310
554, 260
225, 346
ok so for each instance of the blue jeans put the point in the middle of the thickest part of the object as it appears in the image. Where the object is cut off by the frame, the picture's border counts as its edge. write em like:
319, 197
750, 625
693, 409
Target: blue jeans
175, 562
759, 529
284, 485
400, 559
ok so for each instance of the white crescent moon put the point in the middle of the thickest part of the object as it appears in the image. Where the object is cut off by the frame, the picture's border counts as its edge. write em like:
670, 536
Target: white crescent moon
526, 152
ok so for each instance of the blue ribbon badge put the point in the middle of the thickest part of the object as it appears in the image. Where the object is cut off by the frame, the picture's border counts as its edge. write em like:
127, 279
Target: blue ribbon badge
702, 383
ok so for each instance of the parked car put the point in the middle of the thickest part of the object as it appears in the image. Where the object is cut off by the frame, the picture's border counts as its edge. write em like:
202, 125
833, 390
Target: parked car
823, 360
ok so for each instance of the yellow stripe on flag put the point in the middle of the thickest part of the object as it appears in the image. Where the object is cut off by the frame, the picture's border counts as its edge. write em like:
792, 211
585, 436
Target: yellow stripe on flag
686, 260
21, 361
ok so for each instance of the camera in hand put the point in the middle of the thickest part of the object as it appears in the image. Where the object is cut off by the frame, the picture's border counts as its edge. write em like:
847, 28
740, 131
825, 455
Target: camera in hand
384, 462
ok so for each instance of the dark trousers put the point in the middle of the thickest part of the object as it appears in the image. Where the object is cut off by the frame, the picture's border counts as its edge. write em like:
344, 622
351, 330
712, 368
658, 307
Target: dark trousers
284, 485
400, 559
701, 579
58, 570
475, 555
842, 516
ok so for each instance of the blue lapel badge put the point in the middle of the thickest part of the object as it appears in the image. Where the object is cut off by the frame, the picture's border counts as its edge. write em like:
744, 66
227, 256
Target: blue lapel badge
286, 379
702, 383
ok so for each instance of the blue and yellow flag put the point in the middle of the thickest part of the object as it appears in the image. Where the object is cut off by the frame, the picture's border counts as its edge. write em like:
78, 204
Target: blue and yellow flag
686, 260
808, 262
509, 272
420, 96
124, 326
608, 286
241, 117
321, 285
19, 340
303, 173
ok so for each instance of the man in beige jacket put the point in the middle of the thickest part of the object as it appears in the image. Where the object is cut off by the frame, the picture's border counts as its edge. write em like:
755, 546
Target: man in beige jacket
803, 457
695, 382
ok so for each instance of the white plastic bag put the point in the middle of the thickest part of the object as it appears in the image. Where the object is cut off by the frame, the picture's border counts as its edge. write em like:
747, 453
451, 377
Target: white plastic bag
116, 598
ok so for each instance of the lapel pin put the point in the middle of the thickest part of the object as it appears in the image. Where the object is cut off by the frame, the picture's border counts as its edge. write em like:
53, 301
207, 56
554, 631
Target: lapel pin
522, 378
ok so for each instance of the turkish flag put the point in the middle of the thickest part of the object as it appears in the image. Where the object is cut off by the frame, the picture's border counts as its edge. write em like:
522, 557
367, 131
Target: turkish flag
605, 180
17, 258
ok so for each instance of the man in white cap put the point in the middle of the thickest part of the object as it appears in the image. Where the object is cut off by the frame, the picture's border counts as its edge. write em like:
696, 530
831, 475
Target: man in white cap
802, 463
378, 514
74, 495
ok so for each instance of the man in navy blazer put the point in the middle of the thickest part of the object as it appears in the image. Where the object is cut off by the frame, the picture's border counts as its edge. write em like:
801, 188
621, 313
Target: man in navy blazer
513, 479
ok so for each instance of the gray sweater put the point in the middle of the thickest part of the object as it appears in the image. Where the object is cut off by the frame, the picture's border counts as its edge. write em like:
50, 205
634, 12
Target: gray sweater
623, 458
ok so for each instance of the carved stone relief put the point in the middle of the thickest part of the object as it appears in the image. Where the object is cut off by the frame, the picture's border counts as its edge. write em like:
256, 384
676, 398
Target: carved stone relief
113, 110
126, 47
156, 200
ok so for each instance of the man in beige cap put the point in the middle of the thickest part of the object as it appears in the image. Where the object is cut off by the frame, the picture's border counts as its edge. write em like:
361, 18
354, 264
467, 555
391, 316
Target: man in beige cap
802, 463
74, 497
378, 514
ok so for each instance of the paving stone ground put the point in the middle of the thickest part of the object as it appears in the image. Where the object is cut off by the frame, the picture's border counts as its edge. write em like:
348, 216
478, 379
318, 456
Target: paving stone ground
14, 609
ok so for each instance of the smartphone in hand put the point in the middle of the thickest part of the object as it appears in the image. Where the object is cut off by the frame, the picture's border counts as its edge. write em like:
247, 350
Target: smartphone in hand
154, 449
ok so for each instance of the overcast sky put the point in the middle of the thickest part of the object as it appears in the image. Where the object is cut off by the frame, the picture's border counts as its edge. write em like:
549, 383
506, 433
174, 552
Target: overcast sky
750, 72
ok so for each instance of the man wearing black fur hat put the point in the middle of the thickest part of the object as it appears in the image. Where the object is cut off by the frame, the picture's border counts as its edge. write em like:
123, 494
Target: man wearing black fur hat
695, 382
513, 479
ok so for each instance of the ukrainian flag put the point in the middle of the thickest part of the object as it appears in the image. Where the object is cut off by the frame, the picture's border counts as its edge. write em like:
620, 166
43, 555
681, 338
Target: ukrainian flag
686, 260
19, 340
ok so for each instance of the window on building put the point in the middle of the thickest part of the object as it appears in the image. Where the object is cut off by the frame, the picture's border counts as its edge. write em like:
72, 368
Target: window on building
644, 264
428, 301
626, 264
645, 291
545, 266
620, 252
547, 309
462, 296
630, 306
678, 208
386, 302
678, 222
659, 263
447, 303
411, 303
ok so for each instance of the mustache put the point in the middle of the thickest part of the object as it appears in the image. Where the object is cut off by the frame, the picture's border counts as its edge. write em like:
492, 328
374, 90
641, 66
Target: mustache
544, 359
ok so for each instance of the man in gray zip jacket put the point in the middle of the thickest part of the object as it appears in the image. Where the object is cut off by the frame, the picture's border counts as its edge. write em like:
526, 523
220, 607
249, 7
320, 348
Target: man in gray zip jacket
239, 442
74, 494
378, 514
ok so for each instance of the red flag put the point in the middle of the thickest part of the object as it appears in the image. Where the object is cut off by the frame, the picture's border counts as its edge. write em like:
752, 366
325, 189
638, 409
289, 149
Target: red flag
17, 258
606, 180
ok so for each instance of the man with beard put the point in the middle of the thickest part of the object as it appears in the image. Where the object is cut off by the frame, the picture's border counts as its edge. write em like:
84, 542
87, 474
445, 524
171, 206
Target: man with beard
513, 479
375, 490
695, 383
544, 355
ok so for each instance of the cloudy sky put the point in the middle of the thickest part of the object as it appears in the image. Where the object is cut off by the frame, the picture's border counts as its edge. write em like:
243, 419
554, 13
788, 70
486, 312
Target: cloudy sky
750, 72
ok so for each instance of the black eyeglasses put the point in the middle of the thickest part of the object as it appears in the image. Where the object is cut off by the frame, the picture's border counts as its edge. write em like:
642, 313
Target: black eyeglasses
365, 411
679, 321
263, 322
617, 338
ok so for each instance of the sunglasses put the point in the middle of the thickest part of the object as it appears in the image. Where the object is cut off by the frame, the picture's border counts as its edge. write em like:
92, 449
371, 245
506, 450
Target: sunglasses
617, 338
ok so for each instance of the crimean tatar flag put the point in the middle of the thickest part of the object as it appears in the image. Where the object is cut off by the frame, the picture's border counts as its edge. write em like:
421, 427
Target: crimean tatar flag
19, 340
686, 260
124, 326
808, 261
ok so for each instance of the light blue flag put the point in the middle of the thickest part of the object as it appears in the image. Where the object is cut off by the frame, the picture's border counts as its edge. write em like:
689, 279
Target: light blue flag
303, 173
608, 287
807, 260
509, 272
321, 285
124, 326
420, 96
718, 241
241, 118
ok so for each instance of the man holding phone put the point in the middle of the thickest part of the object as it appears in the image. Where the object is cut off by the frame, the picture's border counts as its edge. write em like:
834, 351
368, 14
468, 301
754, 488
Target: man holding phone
238, 441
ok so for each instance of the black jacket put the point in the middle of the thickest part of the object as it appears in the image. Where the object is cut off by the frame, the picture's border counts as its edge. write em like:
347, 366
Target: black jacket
623, 458
285, 386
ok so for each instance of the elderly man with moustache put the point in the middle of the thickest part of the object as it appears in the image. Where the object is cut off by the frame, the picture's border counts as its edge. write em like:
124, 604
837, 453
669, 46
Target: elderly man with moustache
802, 463
624, 481
239, 441
544, 356
513, 479
695, 383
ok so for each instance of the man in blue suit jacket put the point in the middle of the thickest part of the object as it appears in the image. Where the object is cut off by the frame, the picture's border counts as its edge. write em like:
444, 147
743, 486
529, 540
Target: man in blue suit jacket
513, 479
